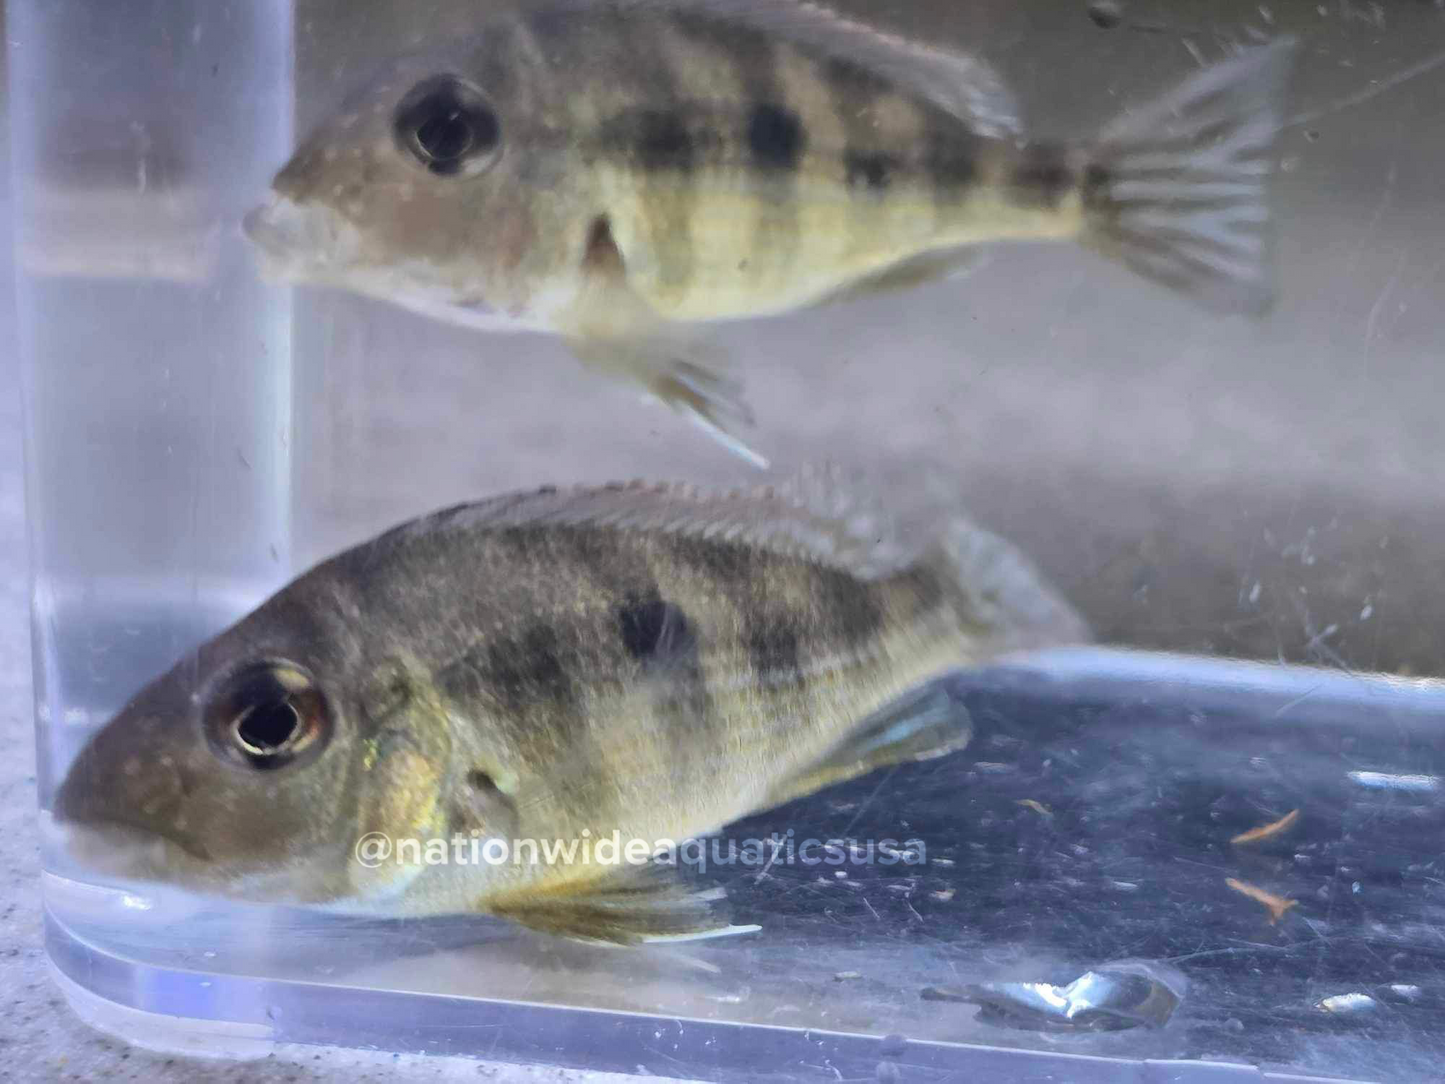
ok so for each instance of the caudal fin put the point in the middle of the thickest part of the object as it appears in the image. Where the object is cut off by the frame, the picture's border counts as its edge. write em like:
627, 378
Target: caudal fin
1006, 593
1178, 190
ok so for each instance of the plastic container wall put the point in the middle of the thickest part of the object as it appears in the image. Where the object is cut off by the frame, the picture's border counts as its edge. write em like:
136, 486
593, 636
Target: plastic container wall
156, 365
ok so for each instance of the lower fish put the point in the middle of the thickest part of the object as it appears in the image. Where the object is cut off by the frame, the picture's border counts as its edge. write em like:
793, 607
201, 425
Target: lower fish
623, 173
563, 666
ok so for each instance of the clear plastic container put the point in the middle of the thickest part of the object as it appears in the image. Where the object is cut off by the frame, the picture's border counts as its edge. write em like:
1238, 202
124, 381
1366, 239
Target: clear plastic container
1249, 512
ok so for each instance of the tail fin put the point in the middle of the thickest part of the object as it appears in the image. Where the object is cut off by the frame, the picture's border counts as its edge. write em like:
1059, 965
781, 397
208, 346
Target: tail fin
1177, 191
1005, 592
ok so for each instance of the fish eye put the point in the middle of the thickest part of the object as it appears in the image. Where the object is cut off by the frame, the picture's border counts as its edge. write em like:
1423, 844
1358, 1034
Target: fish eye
267, 716
447, 126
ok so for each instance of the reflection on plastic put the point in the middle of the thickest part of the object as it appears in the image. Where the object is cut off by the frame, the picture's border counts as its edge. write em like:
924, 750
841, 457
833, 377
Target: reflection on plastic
1115, 997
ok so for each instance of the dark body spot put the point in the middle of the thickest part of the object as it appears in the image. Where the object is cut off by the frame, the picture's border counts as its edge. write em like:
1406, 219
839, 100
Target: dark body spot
951, 159
871, 170
516, 672
773, 650
1042, 176
655, 631
850, 606
775, 137
663, 141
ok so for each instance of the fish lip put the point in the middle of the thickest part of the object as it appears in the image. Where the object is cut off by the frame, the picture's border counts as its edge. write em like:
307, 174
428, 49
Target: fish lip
297, 241
301, 243
115, 841
123, 851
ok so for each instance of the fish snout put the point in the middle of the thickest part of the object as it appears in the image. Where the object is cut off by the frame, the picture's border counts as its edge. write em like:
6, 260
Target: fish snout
145, 788
298, 240
281, 226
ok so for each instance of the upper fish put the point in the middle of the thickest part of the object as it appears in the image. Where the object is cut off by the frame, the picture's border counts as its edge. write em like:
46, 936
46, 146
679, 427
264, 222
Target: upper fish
622, 172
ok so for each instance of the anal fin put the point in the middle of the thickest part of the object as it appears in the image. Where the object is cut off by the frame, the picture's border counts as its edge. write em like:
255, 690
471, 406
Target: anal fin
635, 905
927, 722
911, 272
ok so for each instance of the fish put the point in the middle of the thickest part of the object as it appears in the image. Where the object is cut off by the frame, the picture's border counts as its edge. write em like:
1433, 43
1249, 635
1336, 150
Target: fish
635, 662
627, 174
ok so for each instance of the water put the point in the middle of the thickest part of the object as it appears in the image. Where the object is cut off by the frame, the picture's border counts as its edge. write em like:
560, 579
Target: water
1200, 486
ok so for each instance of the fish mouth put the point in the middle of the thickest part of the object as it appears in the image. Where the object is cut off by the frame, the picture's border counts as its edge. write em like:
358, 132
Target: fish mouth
304, 244
299, 242
125, 856
126, 853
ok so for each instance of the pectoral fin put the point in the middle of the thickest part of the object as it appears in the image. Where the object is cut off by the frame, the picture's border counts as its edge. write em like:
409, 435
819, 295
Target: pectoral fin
633, 906
614, 331
930, 721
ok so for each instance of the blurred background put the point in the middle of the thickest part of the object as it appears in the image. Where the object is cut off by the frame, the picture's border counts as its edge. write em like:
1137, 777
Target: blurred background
1263, 488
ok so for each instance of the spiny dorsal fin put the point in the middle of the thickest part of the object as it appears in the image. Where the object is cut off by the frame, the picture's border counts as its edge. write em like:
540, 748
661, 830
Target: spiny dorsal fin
961, 85
817, 515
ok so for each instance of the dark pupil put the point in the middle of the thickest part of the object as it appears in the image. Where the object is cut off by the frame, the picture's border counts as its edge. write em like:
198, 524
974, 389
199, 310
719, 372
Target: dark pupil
446, 135
267, 727
447, 129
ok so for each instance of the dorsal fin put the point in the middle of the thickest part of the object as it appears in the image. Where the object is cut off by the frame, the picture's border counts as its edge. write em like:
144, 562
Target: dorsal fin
816, 515
961, 85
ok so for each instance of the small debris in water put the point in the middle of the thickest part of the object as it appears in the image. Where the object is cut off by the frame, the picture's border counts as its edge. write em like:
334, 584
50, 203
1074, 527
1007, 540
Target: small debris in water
1037, 807
1277, 905
1268, 831
943, 895
944, 993
1348, 1003
845, 976
1114, 997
